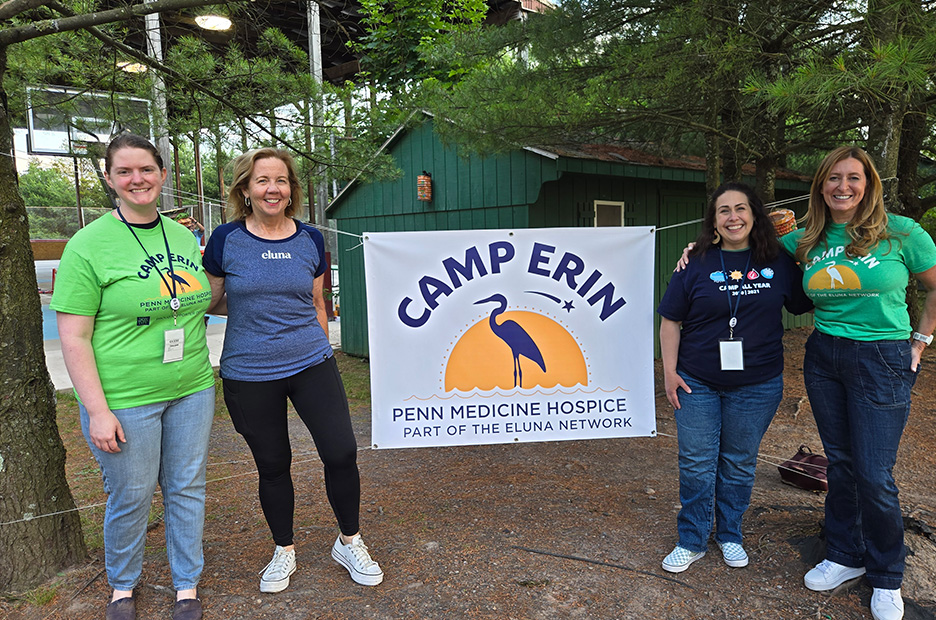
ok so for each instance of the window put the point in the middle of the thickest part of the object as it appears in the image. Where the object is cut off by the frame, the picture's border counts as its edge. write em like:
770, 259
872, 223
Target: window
609, 213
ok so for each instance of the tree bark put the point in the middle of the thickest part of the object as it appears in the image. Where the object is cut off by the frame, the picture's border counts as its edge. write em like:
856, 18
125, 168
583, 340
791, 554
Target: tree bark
44, 27
885, 22
32, 457
912, 137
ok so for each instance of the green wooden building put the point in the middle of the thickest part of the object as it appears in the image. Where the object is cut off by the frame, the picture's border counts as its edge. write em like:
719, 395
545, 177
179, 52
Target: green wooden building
526, 188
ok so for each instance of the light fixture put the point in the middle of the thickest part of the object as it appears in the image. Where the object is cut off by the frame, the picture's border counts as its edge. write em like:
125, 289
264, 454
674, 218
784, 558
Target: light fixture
213, 22
132, 67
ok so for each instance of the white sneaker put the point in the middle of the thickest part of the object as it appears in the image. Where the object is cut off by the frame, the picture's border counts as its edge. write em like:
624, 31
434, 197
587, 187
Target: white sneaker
887, 604
275, 577
357, 560
828, 575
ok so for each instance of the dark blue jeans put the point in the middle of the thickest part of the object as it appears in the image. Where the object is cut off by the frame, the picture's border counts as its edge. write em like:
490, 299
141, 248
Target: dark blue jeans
860, 396
719, 433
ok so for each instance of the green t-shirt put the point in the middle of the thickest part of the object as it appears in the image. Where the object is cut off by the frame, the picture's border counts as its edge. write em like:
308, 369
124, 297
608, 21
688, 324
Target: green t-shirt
864, 298
105, 273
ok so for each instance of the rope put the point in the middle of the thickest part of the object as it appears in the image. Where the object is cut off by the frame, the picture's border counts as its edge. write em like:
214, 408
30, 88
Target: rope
600, 563
159, 491
778, 461
769, 205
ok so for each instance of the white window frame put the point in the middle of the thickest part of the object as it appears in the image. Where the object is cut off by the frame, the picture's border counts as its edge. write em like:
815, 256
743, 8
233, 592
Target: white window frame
609, 203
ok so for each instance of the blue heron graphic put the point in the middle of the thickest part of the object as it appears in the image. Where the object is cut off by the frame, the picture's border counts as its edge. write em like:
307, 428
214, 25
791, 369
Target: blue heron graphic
516, 337
173, 276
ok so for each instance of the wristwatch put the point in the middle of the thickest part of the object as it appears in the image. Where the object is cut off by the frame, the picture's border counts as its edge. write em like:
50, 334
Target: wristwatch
922, 338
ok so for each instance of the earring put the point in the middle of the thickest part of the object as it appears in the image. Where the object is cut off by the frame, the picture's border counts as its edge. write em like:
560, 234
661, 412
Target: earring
247, 202
716, 239
289, 204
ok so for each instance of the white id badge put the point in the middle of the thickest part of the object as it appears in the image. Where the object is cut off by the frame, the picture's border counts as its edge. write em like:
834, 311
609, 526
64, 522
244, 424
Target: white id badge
175, 345
732, 354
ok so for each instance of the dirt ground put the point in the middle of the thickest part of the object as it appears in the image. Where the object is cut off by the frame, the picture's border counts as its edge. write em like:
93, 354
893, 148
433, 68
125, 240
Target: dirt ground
532, 531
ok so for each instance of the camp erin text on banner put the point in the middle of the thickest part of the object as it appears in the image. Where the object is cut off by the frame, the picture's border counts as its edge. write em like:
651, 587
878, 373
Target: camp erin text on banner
496, 336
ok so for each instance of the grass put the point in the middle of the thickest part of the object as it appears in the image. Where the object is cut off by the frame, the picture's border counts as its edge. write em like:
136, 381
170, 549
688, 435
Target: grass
355, 373
43, 595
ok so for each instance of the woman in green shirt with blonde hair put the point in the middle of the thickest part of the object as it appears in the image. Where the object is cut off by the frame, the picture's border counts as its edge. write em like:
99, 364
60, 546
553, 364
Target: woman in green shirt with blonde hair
861, 362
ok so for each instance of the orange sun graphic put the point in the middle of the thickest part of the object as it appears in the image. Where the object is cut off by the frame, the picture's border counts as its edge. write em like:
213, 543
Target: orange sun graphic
484, 361
835, 277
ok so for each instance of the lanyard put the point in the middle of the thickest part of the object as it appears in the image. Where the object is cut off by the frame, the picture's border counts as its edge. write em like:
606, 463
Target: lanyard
174, 302
733, 311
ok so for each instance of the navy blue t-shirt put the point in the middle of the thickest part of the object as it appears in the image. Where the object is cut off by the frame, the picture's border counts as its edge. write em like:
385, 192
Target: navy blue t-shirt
272, 331
698, 298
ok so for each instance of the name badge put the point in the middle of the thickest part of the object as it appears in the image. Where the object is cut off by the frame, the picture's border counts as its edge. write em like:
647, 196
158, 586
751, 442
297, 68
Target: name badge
732, 354
174, 345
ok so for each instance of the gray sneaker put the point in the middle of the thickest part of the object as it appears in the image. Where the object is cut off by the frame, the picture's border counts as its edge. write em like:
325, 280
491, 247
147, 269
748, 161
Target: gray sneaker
275, 577
357, 560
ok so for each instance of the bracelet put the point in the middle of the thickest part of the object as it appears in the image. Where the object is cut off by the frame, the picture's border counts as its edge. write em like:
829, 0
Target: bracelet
920, 337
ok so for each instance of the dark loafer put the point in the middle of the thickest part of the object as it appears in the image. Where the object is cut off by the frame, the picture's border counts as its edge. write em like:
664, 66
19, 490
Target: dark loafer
189, 609
121, 609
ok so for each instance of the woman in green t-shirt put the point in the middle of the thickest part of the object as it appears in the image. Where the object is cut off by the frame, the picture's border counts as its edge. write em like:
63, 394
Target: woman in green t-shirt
860, 365
131, 297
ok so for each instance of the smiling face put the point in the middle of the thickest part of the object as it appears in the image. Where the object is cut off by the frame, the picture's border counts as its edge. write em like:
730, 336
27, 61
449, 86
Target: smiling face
844, 189
733, 220
136, 178
268, 188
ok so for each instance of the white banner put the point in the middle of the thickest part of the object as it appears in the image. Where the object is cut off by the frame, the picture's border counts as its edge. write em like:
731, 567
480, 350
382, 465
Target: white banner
497, 336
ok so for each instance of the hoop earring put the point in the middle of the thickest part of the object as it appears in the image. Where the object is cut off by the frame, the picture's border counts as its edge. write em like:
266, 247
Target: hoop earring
247, 202
716, 239
289, 204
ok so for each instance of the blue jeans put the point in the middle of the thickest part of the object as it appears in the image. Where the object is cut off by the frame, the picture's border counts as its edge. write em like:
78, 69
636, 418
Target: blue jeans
719, 433
860, 396
166, 442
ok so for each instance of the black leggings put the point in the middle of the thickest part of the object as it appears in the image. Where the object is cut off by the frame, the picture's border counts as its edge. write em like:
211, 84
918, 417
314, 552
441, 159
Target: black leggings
258, 411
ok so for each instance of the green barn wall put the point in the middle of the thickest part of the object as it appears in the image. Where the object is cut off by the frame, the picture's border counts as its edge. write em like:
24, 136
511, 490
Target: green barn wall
520, 189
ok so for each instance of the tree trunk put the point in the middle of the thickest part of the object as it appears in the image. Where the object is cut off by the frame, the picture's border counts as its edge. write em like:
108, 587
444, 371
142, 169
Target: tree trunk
713, 167
766, 180
913, 134
32, 457
884, 147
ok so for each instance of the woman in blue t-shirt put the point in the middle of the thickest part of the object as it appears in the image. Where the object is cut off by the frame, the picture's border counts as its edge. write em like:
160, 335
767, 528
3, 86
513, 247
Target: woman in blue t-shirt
721, 340
266, 272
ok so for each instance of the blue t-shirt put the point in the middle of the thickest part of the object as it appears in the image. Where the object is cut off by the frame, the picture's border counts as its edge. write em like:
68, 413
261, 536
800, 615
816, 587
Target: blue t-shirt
272, 331
698, 298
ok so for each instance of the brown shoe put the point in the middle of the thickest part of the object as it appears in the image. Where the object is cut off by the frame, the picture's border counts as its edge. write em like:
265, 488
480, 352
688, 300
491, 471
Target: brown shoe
121, 609
188, 609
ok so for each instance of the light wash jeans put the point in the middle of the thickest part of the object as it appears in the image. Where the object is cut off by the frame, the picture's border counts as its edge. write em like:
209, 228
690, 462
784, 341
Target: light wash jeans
860, 396
166, 442
719, 433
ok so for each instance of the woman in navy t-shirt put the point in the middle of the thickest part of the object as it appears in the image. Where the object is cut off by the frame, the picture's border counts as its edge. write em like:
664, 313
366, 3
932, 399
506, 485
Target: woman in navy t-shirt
721, 340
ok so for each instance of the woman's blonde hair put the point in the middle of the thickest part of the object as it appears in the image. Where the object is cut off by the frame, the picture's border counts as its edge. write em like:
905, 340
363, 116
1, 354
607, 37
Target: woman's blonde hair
868, 226
243, 167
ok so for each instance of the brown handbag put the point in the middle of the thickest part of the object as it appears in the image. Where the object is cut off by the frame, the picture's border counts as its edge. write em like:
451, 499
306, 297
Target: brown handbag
805, 470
